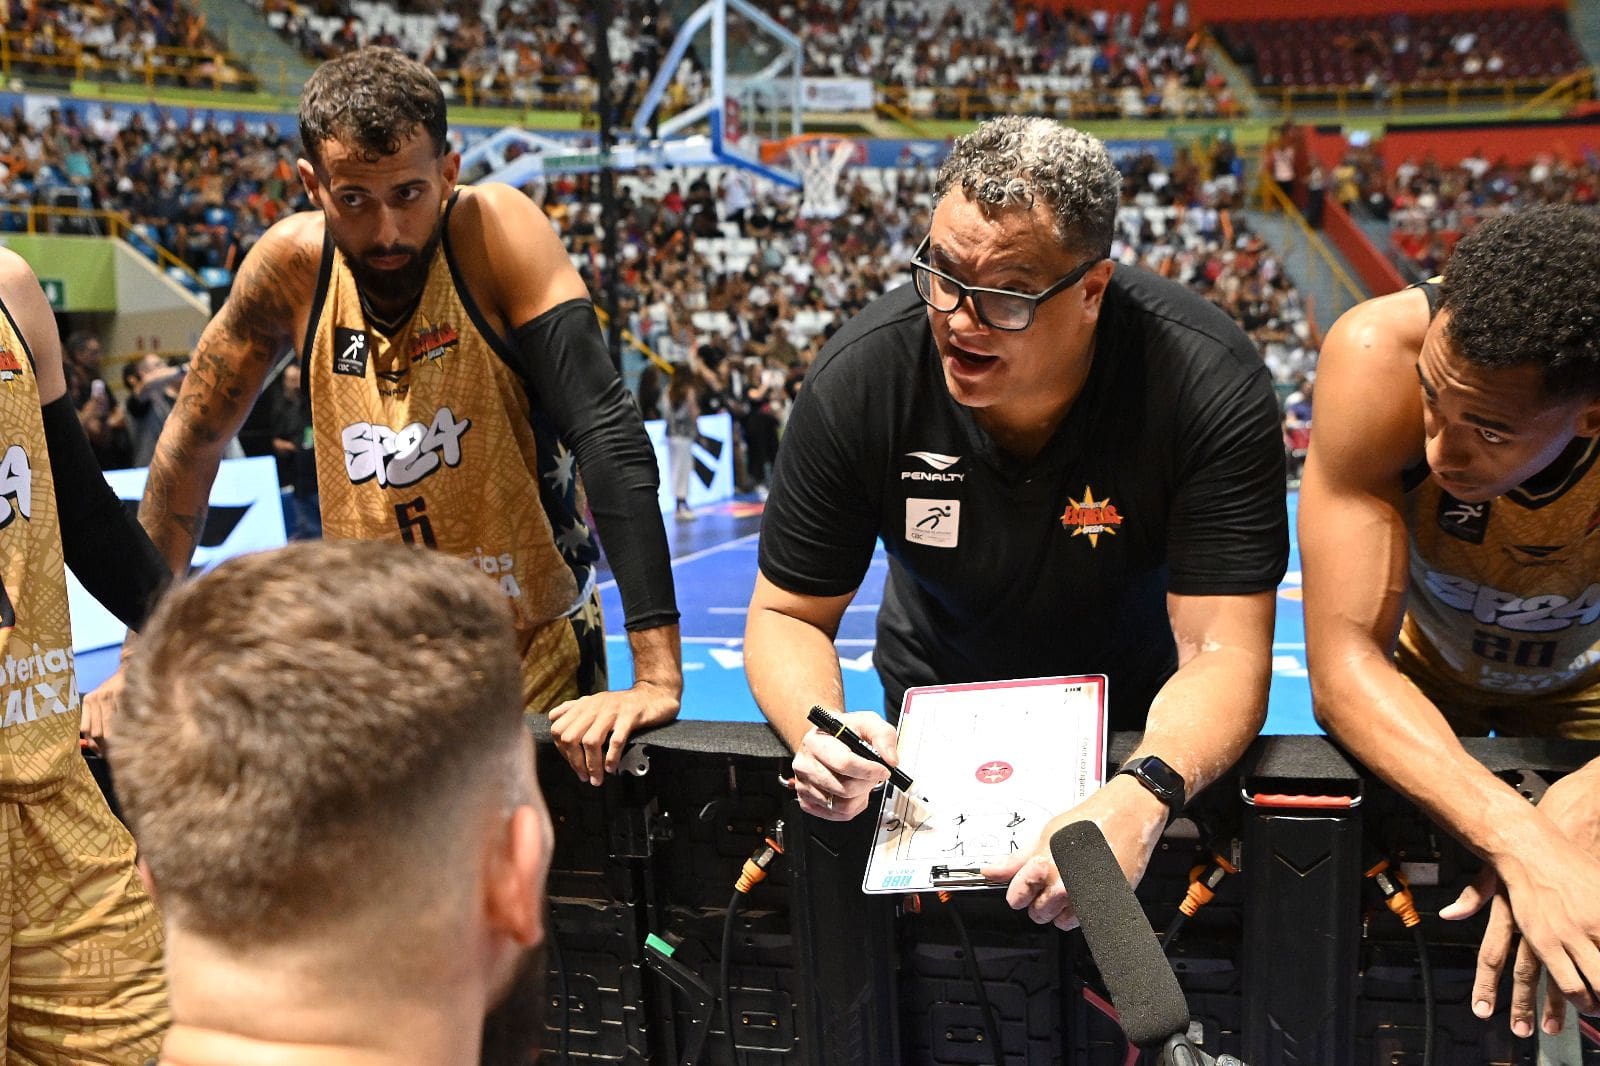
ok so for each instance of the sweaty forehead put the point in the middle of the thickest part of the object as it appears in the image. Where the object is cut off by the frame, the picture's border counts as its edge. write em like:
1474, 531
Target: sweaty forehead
346, 150
1510, 394
966, 234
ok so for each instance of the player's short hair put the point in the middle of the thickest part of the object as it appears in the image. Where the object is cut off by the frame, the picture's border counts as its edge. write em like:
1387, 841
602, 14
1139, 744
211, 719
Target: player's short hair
1521, 289
1016, 162
308, 730
371, 100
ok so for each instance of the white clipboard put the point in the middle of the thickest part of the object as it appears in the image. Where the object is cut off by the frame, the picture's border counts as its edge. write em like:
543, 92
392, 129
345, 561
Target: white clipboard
997, 760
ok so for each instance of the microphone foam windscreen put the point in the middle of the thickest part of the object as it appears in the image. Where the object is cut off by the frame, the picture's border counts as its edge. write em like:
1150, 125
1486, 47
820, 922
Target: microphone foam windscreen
1125, 948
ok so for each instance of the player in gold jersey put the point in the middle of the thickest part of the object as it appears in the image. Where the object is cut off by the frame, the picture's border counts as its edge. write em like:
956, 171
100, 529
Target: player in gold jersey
80, 943
458, 382
1448, 520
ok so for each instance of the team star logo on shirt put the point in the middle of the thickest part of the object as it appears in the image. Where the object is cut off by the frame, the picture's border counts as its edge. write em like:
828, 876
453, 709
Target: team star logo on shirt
434, 343
588, 620
573, 539
563, 472
1090, 517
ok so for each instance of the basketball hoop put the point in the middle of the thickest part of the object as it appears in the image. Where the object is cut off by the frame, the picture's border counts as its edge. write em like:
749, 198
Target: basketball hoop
820, 160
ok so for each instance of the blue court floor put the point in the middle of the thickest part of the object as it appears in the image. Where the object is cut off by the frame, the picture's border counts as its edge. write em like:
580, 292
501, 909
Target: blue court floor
714, 561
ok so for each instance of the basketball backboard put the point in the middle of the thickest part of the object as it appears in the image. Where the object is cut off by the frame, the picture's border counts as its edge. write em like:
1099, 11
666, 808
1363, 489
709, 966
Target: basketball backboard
734, 75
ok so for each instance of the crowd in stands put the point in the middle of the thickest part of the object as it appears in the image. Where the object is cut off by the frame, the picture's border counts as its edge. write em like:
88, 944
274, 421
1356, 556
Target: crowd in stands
162, 41
935, 58
201, 191
1429, 204
975, 60
718, 272
1182, 223
1377, 52
723, 280
517, 52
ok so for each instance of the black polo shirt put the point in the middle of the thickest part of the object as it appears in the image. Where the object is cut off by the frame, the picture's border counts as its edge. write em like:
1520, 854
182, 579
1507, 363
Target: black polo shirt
1167, 475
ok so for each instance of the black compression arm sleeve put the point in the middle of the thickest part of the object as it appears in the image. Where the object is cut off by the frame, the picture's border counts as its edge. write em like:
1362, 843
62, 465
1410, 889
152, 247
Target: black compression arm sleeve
563, 361
104, 545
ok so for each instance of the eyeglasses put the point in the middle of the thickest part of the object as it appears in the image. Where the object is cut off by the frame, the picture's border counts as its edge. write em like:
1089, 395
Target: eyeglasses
996, 308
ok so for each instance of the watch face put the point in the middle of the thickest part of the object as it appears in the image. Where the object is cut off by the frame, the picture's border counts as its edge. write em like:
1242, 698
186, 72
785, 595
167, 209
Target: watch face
1160, 778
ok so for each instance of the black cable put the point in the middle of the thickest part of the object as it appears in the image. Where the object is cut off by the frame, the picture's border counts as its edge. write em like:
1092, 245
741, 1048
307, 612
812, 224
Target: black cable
1398, 898
725, 980
1172, 929
1429, 1008
561, 990
990, 1025
753, 873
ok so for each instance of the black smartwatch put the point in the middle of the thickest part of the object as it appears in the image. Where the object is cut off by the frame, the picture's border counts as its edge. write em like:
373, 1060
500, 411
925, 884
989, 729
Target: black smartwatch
1162, 780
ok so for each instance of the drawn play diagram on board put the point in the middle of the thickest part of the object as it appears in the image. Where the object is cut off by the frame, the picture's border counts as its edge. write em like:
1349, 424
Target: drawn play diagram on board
997, 761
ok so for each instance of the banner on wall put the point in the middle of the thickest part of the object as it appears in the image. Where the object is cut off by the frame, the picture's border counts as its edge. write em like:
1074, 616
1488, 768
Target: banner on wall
246, 515
712, 479
837, 94
1124, 152
818, 94
912, 152
106, 116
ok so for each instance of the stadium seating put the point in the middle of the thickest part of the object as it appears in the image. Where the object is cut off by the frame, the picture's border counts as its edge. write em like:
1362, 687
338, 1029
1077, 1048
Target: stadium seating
1469, 47
1430, 206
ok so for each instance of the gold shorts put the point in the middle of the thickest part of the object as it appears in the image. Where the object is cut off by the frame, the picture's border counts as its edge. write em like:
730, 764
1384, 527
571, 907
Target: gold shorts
81, 977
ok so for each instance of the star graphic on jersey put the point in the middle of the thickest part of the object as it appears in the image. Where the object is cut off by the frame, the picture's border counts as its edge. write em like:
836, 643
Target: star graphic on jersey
588, 619
573, 539
561, 475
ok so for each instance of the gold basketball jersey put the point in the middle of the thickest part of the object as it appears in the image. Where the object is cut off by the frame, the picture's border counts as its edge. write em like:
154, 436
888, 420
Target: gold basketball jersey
39, 730
428, 437
1504, 607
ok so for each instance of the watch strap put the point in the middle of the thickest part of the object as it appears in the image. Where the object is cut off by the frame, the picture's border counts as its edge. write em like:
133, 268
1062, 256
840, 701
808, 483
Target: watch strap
1165, 783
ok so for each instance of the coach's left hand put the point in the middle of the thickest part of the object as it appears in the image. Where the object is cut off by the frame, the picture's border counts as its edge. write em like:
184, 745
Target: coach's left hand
1131, 819
590, 732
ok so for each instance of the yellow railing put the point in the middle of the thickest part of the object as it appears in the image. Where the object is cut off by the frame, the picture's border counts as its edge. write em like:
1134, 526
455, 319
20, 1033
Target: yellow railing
634, 342
906, 106
540, 94
909, 106
975, 104
1318, 258
1510, 95
895, 113
112, 224
1569, 91
156, 67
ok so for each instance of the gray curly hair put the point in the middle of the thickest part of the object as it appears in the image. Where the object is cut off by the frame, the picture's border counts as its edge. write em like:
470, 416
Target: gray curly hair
1015, 162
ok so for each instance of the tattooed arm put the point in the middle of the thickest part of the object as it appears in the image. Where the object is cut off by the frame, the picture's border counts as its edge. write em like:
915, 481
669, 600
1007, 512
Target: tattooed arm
270, 300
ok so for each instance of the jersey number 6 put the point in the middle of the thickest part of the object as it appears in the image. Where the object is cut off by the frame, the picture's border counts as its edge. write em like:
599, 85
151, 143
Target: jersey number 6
413, 520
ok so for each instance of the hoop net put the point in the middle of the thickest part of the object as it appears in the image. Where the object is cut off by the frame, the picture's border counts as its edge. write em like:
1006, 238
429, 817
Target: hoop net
820, 160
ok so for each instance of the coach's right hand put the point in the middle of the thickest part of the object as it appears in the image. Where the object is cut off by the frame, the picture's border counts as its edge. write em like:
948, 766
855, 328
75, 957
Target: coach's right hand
833, 782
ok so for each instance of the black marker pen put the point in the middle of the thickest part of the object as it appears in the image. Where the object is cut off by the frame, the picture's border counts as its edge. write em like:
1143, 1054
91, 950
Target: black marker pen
835, 728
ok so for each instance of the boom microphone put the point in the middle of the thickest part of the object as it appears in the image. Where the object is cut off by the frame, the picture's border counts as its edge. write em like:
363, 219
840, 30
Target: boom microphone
1143, 987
